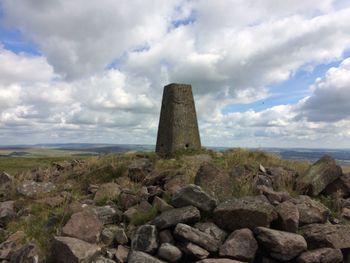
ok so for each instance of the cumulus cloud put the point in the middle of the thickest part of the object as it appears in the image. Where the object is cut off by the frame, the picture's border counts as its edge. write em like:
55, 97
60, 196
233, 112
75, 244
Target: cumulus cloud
102, 66
330, 97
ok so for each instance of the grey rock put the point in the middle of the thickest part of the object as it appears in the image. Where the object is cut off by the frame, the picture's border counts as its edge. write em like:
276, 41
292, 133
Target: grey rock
193, 250
321, 255
161, 205
72, 250
212, 229
121, 237
142, 257
214, 181
108, 214
138, 170
7, 212
194, 195
29, 253
310, 211
165, 236
240, 245
33, 189
339, 187
108, 236
121, 254
169, 218
128, 199
83, 225
281, 177
326, 235
279, 244
288, 216
145, 239
169, 252
13, 243
319, 176
246, 212
109, 191
196, 236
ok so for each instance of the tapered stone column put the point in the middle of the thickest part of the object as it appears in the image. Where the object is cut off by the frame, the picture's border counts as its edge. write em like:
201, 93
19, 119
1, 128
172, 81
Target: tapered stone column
178, 127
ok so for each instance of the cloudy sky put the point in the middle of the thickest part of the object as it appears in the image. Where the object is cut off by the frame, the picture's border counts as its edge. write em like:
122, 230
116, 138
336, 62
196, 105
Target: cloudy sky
264, 73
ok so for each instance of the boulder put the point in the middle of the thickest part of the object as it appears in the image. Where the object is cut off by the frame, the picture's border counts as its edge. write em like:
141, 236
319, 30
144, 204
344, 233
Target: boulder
5, 179
161, 205
214, 181
6, 182
169, 252
176, 182
193, 251
212, 229
319, 176
108, 236
8, 247
29, 253
288, 217
194, 195
196, 236
145, 239
7, 212
142, 257
273, 196
128, 199
108, 214
169, 218
340, 187
121, 255
165, 236
246, 212
139, 168
280, 245
83, 225
321, 255
281, 178
109, 191
240, 245
120, 236
33, 189
326, 235
72, 250
310, 211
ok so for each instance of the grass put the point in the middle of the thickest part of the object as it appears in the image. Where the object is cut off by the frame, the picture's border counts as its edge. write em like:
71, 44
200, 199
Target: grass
16, 165
144, 217
41, 224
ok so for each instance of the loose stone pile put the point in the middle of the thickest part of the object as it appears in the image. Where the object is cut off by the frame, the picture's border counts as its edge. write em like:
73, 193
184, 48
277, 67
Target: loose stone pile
192, 222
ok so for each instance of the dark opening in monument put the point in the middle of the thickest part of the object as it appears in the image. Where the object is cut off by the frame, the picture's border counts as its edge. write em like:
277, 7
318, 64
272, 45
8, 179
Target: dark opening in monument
187, 145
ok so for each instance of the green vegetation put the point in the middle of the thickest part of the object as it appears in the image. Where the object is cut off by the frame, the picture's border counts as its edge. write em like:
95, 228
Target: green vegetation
41, 223
143, 217
15, 165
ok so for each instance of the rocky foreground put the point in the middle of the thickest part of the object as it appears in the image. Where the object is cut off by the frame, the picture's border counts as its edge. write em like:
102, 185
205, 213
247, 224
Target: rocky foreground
151, 214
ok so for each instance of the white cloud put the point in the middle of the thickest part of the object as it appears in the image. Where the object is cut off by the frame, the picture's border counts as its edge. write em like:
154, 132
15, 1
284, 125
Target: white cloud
231, 51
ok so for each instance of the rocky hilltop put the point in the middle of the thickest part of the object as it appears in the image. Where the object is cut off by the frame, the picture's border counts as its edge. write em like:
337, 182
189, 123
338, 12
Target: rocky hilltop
236, 206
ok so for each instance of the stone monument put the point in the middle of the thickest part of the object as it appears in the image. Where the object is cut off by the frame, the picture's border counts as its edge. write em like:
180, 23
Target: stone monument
178, 127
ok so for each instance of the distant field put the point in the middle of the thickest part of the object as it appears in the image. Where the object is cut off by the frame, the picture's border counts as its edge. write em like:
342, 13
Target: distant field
41, 152
14, 161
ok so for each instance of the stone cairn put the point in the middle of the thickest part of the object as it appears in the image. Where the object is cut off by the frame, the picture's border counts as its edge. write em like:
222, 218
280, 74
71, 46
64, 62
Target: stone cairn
178, 128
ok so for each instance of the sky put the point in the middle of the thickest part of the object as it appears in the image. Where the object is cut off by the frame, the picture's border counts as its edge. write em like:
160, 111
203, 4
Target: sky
266, 73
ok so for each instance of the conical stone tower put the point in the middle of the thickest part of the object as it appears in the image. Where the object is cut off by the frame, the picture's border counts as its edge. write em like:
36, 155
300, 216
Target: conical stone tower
178, 127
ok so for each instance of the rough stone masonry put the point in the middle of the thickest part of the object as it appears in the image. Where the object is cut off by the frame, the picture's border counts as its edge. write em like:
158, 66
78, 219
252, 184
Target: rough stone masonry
178, 127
